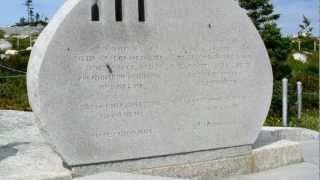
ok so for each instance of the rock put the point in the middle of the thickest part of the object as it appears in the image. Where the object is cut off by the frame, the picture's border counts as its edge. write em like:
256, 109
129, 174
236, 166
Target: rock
5, 45
11, 52
24, 155
115, 82
300, 57
278, 154
269, 135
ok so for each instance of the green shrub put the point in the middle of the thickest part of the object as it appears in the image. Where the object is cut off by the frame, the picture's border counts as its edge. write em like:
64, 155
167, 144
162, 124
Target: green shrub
13, 91
273, 120
310, 100
309, 120
23, 43
13, 94
276, 103
2, 33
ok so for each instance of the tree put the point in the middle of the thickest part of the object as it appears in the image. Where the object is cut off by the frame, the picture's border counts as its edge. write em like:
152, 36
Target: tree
305, 35
260, 12
21, 22
279, 48
306, 29
37, 17
29, 5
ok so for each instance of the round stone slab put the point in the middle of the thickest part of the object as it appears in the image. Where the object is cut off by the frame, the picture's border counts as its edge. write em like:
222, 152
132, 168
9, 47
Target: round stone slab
134, 79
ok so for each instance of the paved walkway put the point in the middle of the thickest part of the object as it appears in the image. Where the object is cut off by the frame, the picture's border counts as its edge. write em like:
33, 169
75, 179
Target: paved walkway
311, 152
302, 171
309, 170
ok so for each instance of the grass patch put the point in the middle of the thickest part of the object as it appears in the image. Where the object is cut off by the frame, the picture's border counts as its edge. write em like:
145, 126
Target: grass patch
309, 120
13, 94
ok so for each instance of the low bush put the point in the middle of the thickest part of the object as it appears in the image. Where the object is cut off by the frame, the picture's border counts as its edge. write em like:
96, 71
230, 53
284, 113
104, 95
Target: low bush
309, 119
13, 94
2, 33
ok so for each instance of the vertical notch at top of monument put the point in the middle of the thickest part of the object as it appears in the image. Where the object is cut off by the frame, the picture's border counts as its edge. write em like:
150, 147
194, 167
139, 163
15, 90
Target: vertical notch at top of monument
118, 9
95, 12
141, 10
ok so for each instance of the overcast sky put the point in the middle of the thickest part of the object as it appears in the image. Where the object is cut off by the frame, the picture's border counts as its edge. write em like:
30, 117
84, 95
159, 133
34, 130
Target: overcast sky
291, 12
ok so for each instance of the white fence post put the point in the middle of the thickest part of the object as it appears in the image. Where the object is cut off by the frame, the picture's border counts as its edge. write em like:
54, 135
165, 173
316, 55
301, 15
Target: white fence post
299, 98
30, 39
285, 102
18, 43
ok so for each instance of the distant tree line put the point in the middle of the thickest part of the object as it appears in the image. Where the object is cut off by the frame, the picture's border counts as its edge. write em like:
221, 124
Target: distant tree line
281, 49
262, 15
33, 18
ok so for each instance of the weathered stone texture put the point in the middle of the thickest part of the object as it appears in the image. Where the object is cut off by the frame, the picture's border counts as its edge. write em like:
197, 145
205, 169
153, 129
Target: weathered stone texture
194, 76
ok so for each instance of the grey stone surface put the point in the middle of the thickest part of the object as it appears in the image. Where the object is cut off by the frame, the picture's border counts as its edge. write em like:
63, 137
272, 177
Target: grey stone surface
206, 165
24, 155
311, 151
302, 171
182, 81
269, 135
123, 176
22, 30
234, 160
275, 155
204, 170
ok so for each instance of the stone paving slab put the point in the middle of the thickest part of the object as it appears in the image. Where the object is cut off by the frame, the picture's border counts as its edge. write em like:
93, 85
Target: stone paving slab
311, 151
302, 171
24, 155
309, 170
277, 154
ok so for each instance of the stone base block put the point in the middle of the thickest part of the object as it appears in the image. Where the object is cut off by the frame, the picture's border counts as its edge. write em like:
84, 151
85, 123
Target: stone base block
185, 165
269, 135
207, 165
123, 176
275, 155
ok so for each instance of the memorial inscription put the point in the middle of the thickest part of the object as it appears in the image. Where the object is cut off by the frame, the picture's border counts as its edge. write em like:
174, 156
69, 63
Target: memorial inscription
118, 80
